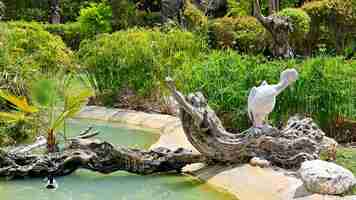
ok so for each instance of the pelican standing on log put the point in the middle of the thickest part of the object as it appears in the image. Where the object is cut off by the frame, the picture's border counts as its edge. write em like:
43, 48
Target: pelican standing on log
262, 99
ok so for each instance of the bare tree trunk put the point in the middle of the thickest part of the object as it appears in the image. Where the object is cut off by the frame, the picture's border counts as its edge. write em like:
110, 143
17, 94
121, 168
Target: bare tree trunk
54, 12
115, 6
2, 9
280, 28
173, 10
273, 7
216, 8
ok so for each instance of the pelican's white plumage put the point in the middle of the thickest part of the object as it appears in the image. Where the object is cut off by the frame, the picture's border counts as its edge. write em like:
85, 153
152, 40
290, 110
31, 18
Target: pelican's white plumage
262, 99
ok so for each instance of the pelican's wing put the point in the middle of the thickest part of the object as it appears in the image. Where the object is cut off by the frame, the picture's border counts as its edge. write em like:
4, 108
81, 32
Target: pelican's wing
250, 99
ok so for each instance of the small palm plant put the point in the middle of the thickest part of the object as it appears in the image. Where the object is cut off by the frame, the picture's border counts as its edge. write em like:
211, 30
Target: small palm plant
55, 100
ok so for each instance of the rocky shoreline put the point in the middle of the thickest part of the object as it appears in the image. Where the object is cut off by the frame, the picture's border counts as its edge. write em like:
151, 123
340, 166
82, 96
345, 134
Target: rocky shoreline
244, 181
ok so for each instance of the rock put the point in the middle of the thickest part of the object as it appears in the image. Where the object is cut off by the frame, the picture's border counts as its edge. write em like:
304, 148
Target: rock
329, 148
256, 161
298, 126
325, 177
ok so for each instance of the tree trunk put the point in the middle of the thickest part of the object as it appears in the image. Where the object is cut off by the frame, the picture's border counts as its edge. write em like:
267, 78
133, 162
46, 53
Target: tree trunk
2, 10
280, 28
54, 12
172, 10
273, 6
115, 7
216, 8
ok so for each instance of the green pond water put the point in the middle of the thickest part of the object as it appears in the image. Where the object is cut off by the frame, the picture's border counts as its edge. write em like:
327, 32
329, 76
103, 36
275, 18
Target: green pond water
87, 185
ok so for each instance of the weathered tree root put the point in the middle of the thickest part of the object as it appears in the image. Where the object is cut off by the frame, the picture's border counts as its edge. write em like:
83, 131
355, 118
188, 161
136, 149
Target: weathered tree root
300, 140
94, 155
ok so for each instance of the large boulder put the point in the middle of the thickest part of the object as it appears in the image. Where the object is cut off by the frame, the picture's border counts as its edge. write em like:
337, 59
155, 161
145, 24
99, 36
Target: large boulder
325, 177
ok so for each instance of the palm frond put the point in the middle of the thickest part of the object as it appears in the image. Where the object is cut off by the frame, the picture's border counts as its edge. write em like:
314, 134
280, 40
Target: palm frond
44, 92
59, 121
14, 117
20, 103
75, 100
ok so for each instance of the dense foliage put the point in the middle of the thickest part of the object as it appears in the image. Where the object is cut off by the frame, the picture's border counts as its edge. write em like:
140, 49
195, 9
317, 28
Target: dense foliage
27, 51
71, 33
194, 18
301, 25
244, 34
324, 90
332, 23
38, 9
95, 19
138, 59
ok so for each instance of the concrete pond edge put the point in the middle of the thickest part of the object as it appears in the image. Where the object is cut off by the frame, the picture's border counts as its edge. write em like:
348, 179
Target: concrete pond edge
243, 181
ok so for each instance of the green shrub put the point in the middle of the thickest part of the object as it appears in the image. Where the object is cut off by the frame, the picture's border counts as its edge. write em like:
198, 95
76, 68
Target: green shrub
301, 26
30, 10
70, 9
342, 11
136, 59
124, 14
239, 8
328, 19
299, 19
31, 14
245, 34
95, 19
194, 17
325, 89
317, 10
288, 3
148, 19
26, 52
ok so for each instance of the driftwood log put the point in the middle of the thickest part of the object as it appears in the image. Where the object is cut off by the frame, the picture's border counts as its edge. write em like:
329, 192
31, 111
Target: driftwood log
89, 153
300, 140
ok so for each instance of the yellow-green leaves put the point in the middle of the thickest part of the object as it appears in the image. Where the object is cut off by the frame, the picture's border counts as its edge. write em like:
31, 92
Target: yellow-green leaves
21, 106
19, 103
75, 99
12, 117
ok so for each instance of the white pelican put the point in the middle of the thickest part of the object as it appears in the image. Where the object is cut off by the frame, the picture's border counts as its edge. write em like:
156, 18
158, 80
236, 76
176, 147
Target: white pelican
262, 99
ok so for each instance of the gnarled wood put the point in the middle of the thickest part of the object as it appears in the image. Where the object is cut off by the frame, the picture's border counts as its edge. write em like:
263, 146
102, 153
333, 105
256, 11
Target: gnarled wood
95, 155
300, 140
280, 28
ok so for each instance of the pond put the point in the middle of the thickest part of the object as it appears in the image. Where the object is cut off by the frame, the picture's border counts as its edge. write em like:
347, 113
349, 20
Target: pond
87, 185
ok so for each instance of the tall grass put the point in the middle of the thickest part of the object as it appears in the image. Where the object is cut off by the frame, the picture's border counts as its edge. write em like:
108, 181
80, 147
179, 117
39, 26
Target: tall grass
326, 89
137, 59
